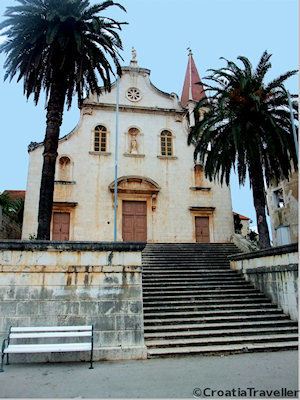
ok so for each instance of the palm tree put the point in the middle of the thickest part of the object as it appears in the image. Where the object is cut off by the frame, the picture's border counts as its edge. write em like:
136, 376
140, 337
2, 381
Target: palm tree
6, 203
246, 127
62, 47
12, 208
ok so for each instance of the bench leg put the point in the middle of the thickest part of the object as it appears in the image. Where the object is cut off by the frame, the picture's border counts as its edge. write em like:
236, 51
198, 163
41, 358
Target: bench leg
2, 361
92, 349
91, 361
3, 354
7, 359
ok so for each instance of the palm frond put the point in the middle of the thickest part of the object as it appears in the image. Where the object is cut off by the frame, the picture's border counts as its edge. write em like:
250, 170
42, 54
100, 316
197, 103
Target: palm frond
63, 33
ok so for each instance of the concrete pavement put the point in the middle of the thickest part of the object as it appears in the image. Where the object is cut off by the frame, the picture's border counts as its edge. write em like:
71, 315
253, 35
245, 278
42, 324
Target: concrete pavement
154, 378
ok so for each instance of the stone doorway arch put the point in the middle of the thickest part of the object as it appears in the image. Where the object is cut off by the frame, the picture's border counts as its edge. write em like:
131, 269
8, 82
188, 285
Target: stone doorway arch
137, 197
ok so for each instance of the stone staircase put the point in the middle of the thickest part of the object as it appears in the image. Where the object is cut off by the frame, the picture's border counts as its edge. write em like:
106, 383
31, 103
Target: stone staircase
194, 303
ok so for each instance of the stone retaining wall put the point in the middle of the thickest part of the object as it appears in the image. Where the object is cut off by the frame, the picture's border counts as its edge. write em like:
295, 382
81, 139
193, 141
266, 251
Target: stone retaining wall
274, 272
75, 283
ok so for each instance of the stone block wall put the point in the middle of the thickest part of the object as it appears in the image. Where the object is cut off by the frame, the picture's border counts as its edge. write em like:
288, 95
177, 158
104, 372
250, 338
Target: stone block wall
274, 272
75, 283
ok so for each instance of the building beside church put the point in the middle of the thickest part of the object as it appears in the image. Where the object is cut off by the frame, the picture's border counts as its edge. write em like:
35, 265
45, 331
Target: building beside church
282, 202
163, 195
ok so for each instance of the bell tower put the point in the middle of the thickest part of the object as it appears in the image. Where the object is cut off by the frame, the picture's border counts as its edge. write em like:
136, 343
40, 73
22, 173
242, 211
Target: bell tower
193, 90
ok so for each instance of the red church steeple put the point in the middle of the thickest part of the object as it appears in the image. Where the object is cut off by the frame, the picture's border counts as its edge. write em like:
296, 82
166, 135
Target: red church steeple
192, 88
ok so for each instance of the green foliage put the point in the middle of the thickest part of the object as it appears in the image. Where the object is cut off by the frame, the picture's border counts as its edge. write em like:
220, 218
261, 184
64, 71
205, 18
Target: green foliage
6, 203
247, 124
253, 236
12, 208
61, 40
237, 223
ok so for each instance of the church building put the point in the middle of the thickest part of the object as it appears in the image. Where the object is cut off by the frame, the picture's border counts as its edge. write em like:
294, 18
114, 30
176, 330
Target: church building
163, 195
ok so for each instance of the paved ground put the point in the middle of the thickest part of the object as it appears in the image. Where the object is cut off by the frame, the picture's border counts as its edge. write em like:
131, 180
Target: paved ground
155, 378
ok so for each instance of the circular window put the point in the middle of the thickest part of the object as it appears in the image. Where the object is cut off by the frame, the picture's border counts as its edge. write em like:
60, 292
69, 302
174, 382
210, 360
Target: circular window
133, 94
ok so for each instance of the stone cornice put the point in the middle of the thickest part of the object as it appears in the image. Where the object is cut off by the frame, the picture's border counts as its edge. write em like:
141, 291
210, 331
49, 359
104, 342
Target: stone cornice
31, 245
196, 208
135, 108
271, 269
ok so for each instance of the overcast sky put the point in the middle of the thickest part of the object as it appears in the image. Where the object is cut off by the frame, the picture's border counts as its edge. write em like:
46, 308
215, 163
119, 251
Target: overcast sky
161, 31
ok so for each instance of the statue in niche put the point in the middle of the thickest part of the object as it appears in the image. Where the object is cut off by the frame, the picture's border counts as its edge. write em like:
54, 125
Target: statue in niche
133, 144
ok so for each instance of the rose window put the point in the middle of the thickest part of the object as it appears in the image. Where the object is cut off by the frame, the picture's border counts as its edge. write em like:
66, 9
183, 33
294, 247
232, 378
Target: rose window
133, 94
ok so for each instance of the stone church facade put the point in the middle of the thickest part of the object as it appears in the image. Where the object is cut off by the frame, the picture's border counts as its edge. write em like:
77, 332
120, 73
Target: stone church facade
163, 195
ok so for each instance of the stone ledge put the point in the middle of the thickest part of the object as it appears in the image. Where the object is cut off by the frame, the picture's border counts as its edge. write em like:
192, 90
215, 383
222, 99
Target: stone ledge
85, 269
272, 269
64, 182
134, 155
201, 188
167, 157
29, 245
100, 153
272, 251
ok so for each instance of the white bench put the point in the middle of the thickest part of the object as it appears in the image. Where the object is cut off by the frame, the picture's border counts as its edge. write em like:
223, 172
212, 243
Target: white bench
11, 345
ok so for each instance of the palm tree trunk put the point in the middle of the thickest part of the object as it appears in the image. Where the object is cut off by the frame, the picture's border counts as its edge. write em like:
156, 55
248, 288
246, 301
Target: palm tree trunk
259, 199
55, 110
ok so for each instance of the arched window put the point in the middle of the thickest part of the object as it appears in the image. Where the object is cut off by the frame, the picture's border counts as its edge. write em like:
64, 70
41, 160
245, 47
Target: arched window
100, 138
166, 143
64, 168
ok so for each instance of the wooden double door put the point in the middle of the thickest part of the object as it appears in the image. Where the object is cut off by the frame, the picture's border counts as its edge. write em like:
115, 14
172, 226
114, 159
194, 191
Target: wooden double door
61, 226
134, 221
202, 229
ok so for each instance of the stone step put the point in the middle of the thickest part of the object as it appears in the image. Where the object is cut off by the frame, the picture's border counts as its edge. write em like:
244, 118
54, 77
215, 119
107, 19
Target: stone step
204, 299
220, 331
190, 327
198, 287
185, 260
187, 268
148, 274
211, 255
196, 292
187, 272
200, 266
195, 304
197, 307
191, 302
219, 349
201, 314
218, 267
189, 245
188, 254
221, 340
189, 250
201, 278
216, 318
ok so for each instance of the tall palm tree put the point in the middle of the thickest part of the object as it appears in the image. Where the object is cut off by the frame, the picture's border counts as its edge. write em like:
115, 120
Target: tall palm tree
62, 47
247, 127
